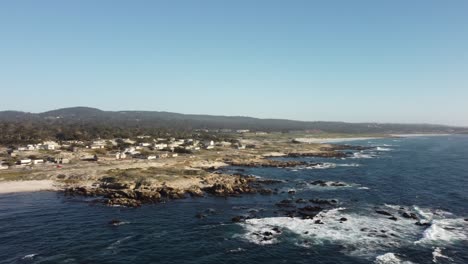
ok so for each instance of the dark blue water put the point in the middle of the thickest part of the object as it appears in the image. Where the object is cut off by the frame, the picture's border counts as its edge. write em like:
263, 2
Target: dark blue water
424, 175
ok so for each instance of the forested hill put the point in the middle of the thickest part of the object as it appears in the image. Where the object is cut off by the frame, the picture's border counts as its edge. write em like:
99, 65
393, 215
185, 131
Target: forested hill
84, 121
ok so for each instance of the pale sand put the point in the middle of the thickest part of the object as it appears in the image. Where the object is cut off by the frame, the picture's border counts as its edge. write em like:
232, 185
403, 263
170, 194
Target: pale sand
333, 140
26, 186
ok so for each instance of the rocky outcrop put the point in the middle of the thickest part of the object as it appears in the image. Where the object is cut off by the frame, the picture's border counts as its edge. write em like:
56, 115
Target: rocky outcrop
265, 163
326, 154
116, 193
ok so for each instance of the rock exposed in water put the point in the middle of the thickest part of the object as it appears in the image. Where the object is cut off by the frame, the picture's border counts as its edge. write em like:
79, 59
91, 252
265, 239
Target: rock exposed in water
382, 212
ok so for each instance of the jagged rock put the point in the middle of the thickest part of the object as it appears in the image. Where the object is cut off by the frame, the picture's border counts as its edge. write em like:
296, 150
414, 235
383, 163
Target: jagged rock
195, 191
200, 216
285, 203
383, 212
237, 219
123, 202
276, 229
419, 223
292, 192
342, 219
410, 215
326, 202
115, 222
265, 191
300, 200
393, 218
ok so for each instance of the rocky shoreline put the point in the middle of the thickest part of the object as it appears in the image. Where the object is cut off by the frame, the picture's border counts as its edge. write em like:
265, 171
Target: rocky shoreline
132, 195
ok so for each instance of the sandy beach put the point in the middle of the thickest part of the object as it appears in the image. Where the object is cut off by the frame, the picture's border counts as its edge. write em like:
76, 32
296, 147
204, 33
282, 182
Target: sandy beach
26, 186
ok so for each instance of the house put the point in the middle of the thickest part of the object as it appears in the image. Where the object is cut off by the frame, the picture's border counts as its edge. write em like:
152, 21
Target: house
120, 155
24, 162
174, 155
160, 146
3, 167
37, 161
208, 143
30, 147
164, 155
49, 145
209, 147
241, 147
240, 131
145, 144
22, 149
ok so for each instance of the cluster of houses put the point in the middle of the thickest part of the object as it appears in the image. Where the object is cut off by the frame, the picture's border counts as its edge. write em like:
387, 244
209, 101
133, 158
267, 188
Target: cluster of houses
144, 147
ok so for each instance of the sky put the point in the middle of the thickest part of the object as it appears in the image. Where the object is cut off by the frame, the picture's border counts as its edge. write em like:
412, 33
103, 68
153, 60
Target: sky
356, 61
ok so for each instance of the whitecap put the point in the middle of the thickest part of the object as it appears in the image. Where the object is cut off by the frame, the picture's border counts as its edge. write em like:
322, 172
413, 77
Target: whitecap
437, 253
349, 165
390, 258
383, 149
361, 155
325, 165
29, 256
360, 235
444, 231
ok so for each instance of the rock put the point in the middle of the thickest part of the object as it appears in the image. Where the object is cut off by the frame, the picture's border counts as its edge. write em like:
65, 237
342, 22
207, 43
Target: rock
292, 192
266, 233
115, 222
383, 212
410, 215
237, 219
195, 191
276, 229
123, 202
319, 182
393, 218
285, 203
326, 202
265, 191
419, 223
200, 216
300, 200
318, 221
342, 219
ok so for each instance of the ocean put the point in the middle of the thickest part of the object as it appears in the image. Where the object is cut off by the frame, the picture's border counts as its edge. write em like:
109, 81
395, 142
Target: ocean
425, 176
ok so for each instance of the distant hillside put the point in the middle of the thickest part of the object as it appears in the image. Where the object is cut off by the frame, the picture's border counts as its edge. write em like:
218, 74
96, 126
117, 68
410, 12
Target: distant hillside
78, 122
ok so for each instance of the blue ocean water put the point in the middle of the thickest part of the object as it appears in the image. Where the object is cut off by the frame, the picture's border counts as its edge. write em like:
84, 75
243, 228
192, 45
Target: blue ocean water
424, 175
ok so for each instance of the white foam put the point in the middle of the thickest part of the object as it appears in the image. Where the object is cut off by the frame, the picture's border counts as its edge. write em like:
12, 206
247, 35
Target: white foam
361, 155
360, 235
383, 149
444, 231
389, 258
437, 253
325, 165
349, 165
29, 256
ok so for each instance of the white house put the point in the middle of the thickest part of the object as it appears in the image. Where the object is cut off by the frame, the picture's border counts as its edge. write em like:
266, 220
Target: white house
37, 161
160, 146
145, 144
24, 162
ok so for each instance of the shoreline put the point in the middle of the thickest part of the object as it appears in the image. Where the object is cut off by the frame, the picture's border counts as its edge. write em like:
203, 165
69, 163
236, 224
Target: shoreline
8, 187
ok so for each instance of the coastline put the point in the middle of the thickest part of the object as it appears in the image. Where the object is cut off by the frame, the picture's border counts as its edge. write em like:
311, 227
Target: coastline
8, 187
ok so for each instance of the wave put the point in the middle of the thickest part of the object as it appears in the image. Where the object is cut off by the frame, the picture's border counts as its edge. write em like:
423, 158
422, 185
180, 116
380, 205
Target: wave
360, 234
362, 155
445, 231
325, 165
349, 165
29, 256
390, 258
383, 149
437, 253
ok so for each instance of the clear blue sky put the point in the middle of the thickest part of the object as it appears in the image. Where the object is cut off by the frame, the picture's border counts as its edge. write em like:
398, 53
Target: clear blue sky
386, 61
